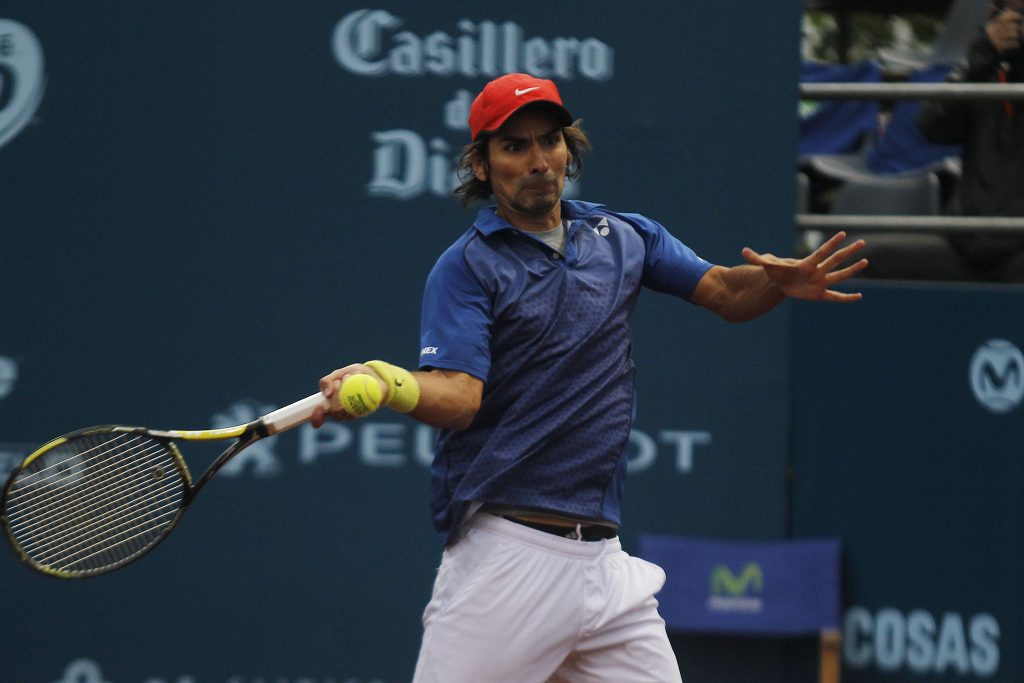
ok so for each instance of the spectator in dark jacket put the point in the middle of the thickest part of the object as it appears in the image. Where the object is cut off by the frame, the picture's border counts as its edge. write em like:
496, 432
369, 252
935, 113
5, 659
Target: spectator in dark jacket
992, 135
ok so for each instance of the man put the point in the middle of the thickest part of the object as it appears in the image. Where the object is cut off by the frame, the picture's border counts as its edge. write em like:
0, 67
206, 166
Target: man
526, 369
992, 135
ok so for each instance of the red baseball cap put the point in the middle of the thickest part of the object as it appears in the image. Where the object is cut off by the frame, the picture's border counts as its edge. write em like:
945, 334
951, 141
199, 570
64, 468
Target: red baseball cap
506, 95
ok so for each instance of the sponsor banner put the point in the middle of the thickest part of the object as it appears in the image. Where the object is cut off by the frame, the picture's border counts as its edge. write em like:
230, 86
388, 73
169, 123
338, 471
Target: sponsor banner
375, 43
781, 587
377, 443
921, 643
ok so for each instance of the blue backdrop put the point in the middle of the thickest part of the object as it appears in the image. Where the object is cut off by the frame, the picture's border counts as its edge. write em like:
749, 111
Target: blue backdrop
913, 457
207, 206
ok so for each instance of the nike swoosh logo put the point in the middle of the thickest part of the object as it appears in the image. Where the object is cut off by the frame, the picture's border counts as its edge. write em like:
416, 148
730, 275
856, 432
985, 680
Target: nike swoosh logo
526, 90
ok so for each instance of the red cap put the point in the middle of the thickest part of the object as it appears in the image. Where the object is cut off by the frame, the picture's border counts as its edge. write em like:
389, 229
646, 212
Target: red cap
506, 95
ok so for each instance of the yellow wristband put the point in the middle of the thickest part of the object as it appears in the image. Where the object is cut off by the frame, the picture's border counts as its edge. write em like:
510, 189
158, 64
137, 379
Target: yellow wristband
403, 389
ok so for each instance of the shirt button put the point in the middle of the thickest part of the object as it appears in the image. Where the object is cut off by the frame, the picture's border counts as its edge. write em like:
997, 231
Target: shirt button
555, 255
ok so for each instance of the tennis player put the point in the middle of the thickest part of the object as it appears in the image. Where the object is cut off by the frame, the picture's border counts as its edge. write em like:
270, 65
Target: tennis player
525, 367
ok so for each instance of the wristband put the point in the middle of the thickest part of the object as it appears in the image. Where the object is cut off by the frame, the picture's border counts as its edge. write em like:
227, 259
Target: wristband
403, 389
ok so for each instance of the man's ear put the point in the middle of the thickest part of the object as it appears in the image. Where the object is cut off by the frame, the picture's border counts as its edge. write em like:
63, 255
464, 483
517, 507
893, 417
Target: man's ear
479, 168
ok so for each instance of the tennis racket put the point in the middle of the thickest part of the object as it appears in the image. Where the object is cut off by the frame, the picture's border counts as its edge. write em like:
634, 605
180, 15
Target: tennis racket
94, 500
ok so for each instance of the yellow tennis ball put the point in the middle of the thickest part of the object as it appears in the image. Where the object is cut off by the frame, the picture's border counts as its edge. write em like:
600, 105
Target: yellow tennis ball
360, 394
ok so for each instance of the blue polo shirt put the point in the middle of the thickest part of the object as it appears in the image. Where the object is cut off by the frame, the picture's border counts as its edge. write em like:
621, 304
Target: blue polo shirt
550, 338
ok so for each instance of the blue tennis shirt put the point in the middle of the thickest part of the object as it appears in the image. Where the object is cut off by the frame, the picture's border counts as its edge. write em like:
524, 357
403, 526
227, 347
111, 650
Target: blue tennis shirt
550, 338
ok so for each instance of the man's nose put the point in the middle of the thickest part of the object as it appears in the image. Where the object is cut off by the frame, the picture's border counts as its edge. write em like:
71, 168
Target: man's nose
538, 161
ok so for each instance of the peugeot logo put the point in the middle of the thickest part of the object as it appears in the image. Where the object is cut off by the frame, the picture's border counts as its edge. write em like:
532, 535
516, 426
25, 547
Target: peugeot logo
997, 375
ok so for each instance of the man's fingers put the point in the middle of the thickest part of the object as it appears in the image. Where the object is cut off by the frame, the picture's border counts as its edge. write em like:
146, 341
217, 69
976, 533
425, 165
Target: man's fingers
752, 257
841, 255
847, 272
841, 297
329, 385
317, 418
822, 252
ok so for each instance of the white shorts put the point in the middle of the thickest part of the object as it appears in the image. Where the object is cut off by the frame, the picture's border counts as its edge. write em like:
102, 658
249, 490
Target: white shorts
515, 605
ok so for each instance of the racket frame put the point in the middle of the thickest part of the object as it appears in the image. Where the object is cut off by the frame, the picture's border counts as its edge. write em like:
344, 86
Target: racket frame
272, 423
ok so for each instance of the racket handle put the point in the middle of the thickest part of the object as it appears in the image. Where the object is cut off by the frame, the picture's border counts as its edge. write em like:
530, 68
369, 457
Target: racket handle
294, 414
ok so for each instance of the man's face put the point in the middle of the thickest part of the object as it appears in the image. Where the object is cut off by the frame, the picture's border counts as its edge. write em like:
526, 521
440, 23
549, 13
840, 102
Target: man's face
527, 160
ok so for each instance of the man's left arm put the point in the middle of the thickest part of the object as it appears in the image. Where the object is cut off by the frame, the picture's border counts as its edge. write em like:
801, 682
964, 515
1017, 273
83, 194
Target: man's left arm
745, 292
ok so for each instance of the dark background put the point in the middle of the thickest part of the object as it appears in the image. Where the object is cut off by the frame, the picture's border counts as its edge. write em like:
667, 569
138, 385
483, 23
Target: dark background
189, 239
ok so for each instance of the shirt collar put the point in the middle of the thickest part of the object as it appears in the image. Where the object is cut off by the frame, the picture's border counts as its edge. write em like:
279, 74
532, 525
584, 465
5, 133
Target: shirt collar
489, 222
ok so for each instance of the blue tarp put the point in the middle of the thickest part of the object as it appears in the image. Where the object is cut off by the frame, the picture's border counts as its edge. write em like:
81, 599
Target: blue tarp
837, 126
902, 147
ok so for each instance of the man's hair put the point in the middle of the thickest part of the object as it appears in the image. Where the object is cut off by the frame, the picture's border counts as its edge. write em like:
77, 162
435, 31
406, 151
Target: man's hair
470, 188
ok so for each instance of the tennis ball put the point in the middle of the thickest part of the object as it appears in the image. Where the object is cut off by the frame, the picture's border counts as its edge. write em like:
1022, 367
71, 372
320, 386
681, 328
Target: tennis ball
359, 394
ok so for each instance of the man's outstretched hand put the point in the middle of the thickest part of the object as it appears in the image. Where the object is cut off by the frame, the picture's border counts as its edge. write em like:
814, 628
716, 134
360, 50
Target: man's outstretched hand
812, 276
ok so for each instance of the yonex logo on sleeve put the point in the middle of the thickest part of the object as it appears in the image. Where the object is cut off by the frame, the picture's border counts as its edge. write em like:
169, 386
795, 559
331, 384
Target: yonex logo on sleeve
428, 351
602, 228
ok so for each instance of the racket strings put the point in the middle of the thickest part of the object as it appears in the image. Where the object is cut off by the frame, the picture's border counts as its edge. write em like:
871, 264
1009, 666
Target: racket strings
82, 465
97, 524
78, 547
103, 502
77, 450
37, 538
104, 547
50, 504
94, 478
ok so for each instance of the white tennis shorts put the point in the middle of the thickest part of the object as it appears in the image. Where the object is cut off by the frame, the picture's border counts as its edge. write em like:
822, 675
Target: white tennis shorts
515, 605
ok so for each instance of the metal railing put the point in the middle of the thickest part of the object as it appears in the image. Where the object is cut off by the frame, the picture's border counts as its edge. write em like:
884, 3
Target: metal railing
930, 224
912, 91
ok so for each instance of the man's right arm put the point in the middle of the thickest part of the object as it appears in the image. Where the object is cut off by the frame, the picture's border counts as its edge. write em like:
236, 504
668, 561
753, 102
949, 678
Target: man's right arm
448, 399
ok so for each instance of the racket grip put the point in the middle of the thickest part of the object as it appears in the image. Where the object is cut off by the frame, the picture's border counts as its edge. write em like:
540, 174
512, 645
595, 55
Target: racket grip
294, 414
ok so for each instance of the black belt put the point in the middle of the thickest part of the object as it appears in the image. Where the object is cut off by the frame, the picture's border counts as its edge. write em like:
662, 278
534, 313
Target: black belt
587, 532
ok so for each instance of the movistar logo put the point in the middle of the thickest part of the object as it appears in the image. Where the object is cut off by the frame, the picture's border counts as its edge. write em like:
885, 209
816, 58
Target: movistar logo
724, 582
736, 593
997, 375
